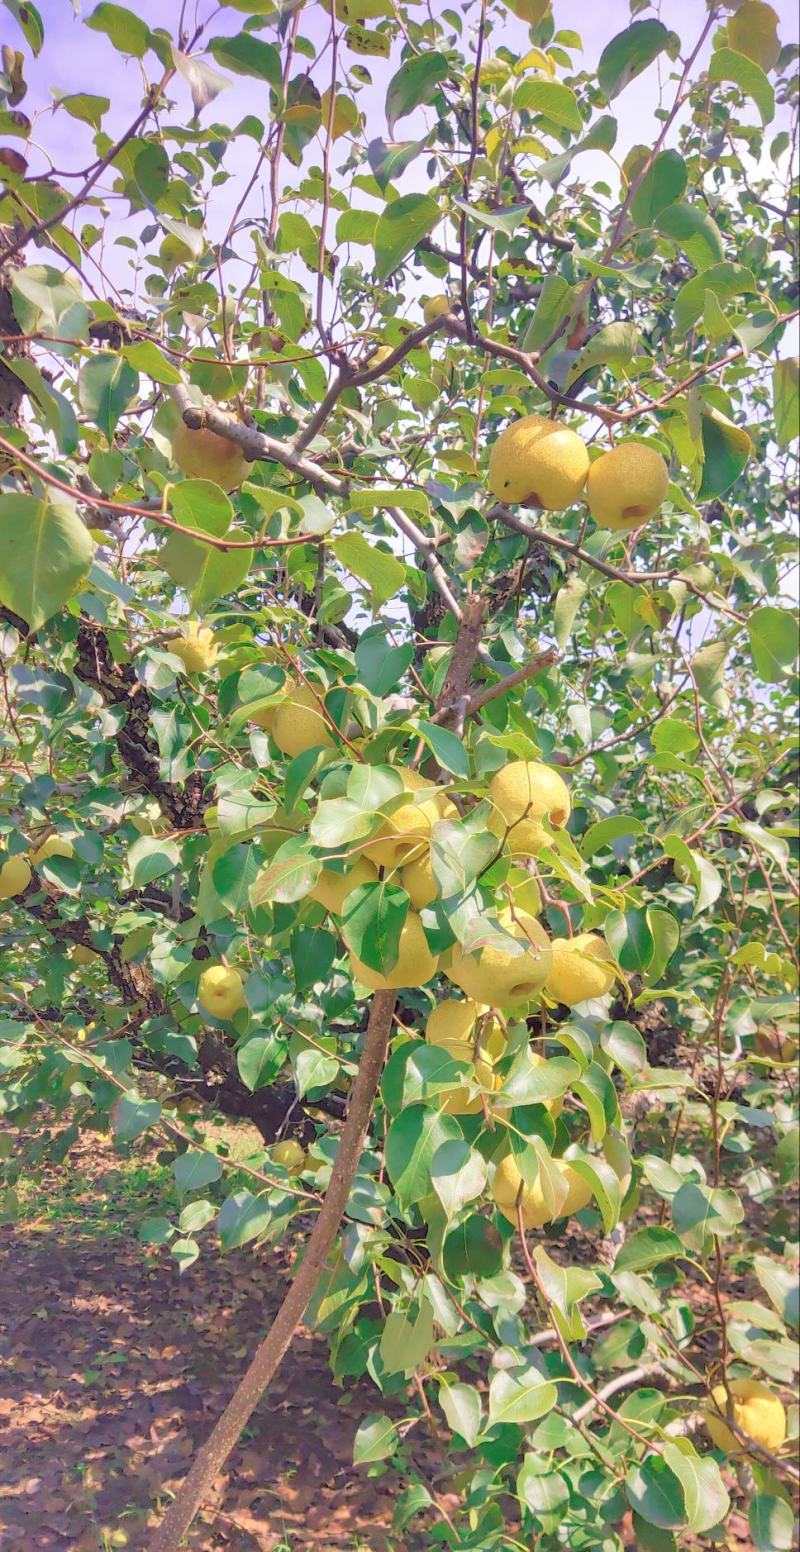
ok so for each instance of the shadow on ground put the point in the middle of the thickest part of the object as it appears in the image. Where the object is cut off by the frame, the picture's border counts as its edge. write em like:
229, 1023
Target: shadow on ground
113, 1370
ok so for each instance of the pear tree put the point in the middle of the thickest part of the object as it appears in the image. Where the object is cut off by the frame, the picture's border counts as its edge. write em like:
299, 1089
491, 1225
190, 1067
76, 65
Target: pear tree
397, 745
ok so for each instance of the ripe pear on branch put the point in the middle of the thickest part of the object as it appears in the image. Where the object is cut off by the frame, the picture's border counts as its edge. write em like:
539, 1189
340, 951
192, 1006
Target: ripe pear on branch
511, 1192
204, 455
221, 991
626, 486
522, 794
15, 876
756, 1410
415, 964
539, 463
196, 648
505, 978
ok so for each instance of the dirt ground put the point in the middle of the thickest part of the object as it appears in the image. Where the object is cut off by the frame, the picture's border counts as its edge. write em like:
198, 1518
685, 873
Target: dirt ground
113, 1369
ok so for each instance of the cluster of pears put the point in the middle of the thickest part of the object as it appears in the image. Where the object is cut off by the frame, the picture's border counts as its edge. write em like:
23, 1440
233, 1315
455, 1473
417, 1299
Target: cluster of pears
17, 870
526, 798
539, 463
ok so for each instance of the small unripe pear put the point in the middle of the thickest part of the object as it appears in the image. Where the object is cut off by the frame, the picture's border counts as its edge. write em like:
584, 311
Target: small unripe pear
436, 307
291, 1154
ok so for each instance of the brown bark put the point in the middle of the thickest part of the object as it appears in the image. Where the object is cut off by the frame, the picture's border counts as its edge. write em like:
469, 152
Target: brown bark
212, 1457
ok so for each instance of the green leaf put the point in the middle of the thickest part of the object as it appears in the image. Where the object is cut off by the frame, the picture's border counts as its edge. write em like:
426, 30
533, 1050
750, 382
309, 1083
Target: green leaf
106, 386
661, 186
553, 304
726, 450
726, 65
290, 876
786, 400
413, 84
458, 1173
623, 1043
654, 1492
705, 1496
131, 1115
520, 1396
771, 1523
615, 342
546, 1493
400, 227
773, 642
463, 1408
375, 1438
233, 875
725, 280
259, 1060
247, 55
411, 1142
85, 107
125, 30
550, 98
692, 228
447, 747
204, 573
666, 937
708, 668
700, 1211
630, 939
379, 665
647, 1248
600, 835
389, 160
194, 1170
242, 1218
568, 602
628, 54
418, 1072
375, 918
30, 22
45, 554
383, 573
781, 1286
151, 857
146, 357
407, 1339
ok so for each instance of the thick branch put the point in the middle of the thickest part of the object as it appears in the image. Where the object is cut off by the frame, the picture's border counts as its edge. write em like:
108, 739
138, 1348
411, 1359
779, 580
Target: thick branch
212, 1457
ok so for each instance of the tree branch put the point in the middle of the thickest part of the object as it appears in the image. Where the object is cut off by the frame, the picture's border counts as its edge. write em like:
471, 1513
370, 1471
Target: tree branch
212, 1457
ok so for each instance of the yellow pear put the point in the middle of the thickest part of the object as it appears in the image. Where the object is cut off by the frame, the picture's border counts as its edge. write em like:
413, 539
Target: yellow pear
54, 846
455, 1022
583, 967
436, 307
538, 462
756, 1410
345, 114
15, 876
220, 991
415, 964
196, 648
291, 1154
419, 883
332, 888
626, 486
453, 1025
522, 794
508, 1186
753, 31
405, 836
80, 954
504, 979
203, 455
299, 722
